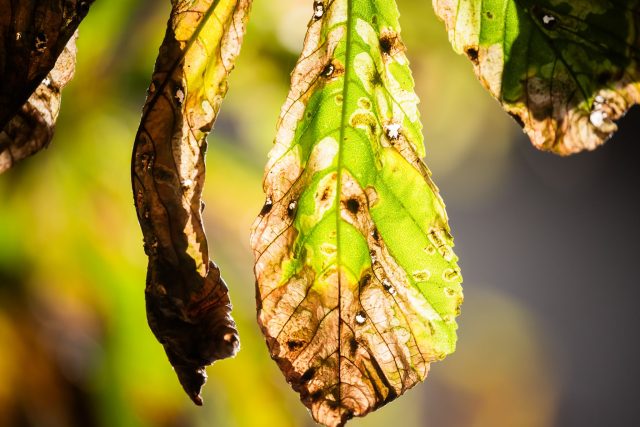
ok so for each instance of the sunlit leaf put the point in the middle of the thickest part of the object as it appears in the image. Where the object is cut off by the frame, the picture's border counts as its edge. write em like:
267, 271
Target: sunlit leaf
31, 129
357, 284
32, 36
565, 70
188, 306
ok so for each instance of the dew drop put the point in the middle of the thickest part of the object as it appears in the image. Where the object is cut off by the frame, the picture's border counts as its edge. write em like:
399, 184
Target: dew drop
292, 205
361, 317
318, 9
18, 36
392, 130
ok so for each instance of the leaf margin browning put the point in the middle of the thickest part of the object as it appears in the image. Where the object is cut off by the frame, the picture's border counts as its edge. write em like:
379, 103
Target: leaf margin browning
33, 35
576, 108
31, 129
297, 178
188, 306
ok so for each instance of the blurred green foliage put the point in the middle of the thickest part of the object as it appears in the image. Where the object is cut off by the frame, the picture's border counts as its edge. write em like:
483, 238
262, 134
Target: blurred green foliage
75, 346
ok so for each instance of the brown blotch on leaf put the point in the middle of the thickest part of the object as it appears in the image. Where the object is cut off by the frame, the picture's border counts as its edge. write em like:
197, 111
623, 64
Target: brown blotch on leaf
364, 281
353, 345
294, 345
472, 53
353, 206
268, 205
390, 43
308, 374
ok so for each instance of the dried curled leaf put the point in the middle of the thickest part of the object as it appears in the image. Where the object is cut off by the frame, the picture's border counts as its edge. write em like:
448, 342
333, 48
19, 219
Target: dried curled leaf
565, 70
31, 129
188, 306
357, 284
32, 36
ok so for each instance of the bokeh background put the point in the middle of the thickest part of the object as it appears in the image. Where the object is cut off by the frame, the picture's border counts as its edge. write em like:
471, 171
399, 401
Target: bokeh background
549, 250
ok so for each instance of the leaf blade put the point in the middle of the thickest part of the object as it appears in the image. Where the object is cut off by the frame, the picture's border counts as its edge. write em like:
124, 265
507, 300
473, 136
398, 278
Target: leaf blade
188, 305
31, 129
564, 70
352, 305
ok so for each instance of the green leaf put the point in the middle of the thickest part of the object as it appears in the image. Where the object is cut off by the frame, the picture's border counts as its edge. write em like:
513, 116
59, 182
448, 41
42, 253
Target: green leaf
188, 306
565, 70
357, 283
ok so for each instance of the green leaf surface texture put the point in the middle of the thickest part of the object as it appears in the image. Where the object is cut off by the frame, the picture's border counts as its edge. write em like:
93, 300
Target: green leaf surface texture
357, 283
188, 305
565, 70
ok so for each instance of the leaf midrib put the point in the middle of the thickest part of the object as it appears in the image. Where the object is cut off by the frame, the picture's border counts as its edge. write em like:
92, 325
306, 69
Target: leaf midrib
343, 124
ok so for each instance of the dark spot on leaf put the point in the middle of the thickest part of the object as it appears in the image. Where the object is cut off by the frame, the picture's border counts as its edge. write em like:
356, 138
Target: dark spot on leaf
517, 118
291, 208
316, 395
268, 205
388, 42
604, 77
376, 78
353, 206
163, 173
294, 345
365, 280
325, 195
328, 70
332, 404
83, 8
489, 15
353, 345
472, 53
41, 42
309, 373
375, 234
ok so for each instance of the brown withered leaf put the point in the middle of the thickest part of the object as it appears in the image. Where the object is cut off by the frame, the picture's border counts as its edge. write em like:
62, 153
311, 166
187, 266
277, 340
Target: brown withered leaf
188, 306
33, 33
31, 129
